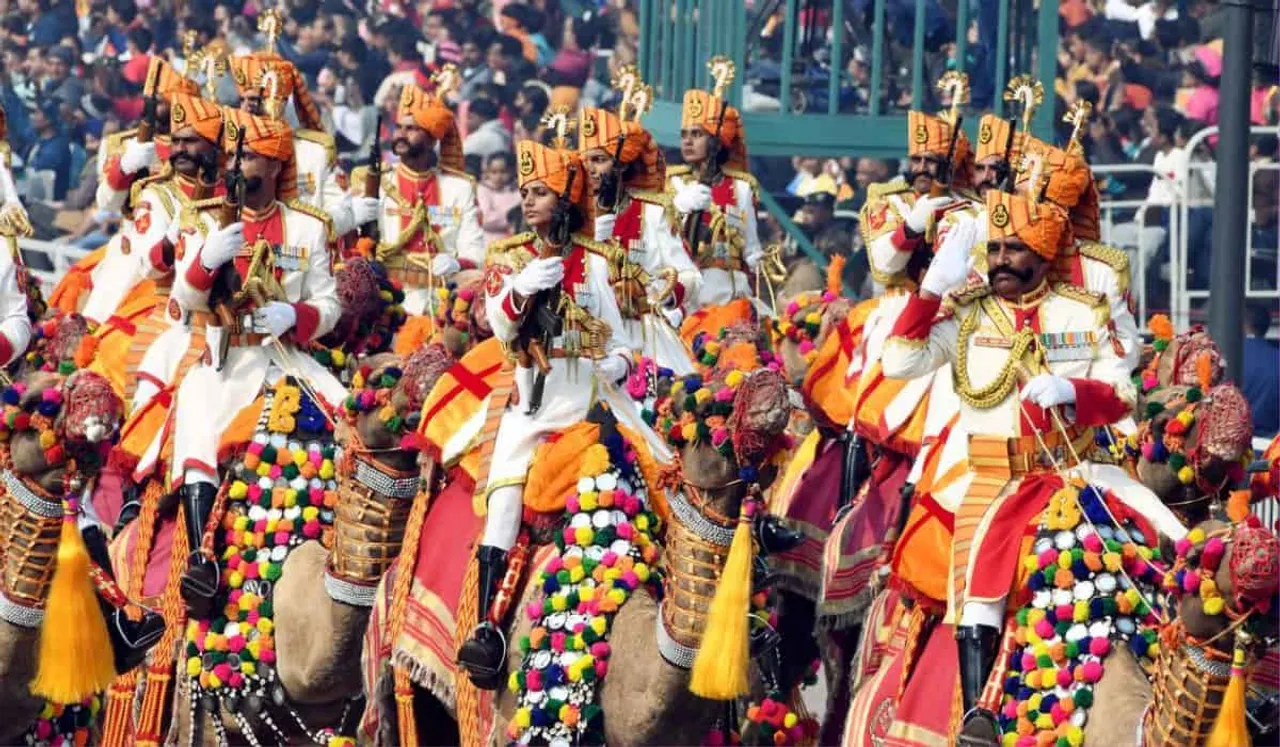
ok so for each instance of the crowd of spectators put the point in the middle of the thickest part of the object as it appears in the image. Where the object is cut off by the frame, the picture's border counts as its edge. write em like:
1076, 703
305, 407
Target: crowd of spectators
73, 73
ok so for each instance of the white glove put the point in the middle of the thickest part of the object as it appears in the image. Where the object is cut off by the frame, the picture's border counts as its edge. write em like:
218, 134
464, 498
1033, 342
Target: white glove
444, 265
604, 226
753, 256
137, 156
222, 246
1048, 391
950, 265
918, 218
364, 209
692, 197
173, 232
675, 317
613, 368
276, 318
540, 274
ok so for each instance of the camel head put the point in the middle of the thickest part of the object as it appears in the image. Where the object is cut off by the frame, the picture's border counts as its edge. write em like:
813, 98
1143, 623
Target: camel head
727, 430
1188, 359
743, 346
371, 310
1193, 447
808, 320
460, 314
385, 403
1222, 573
58, 427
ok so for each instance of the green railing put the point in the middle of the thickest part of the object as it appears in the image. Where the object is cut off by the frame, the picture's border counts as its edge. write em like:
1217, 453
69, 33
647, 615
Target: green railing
679, 36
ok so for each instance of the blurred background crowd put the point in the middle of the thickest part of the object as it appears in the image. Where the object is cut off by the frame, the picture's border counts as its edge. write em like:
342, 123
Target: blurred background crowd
72, 73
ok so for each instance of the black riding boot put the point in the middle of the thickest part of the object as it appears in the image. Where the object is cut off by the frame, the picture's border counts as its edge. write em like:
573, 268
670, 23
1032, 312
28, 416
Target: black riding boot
776, 537
129, 511
130, 639
200, 582
483, 654
978, 645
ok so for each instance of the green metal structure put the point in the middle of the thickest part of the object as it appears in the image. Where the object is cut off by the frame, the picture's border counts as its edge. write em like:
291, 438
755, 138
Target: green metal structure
677, 37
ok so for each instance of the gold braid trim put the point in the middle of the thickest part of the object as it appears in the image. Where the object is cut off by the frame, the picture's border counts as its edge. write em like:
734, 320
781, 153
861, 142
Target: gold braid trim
743, 176
1095, 301
1116, 259
1005, 382
502, 248
316, 213
457, 173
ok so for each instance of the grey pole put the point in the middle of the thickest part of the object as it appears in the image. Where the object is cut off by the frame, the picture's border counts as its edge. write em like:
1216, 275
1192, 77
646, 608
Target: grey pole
1231, 189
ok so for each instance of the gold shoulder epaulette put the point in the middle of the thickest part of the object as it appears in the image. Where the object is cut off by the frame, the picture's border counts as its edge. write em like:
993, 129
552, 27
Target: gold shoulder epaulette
459, 174
879, 190
323, 139
316, 213
116, 140
162, 191
970, 294
1115, 258
653, 198
613, 253
208, 203
511, 242
748, 178
679, 170
360, 173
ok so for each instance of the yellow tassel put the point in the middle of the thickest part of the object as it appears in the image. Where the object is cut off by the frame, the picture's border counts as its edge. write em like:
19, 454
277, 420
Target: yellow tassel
75, 659
720, 669
1231, 729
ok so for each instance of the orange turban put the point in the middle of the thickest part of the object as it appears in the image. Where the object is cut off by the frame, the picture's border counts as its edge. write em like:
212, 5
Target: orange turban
1042, 226
599, 128
205, 117
277, 79
702, 109
993, 136
1070, 186
164, 81
928, 135
433, 115
269, 138
536, 162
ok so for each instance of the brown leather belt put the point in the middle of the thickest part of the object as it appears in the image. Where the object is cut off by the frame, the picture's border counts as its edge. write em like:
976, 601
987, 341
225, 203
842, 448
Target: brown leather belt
1023, 454
410, 277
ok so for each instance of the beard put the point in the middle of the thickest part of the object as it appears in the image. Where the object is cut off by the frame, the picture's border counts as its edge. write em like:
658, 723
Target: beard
407, 149
1023, 276
254, 184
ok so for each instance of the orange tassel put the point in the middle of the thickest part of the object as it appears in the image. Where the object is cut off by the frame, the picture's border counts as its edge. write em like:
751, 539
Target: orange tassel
1238, 505
1160, 326
835, 273
1204, 372
1231, 729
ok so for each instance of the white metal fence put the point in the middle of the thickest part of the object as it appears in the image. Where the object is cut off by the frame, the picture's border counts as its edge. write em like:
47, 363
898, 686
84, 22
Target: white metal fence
1172, 246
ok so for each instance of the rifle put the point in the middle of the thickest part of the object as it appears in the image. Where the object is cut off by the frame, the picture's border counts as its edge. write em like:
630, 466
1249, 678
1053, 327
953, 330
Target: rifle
1006, 182
942, 182
150, 103
542, 322
227, 281
373, 180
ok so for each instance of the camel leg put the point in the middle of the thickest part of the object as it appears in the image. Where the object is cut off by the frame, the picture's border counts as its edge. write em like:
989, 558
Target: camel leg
18, 709
1119, 700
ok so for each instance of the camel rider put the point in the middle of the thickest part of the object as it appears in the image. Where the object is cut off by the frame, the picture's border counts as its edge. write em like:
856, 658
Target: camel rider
1036, 367
636, 213
266, 82
552, 284
15, 323
149, 236
903, 217
261, 344
124, 157
714, 189
97, 284
425, 206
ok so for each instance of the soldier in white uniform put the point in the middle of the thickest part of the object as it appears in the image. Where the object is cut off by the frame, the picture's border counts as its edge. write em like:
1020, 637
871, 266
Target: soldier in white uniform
427, 220
654, 277
1035, 368
261, 346
122, 161
266, 82
714, 188
587, 360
